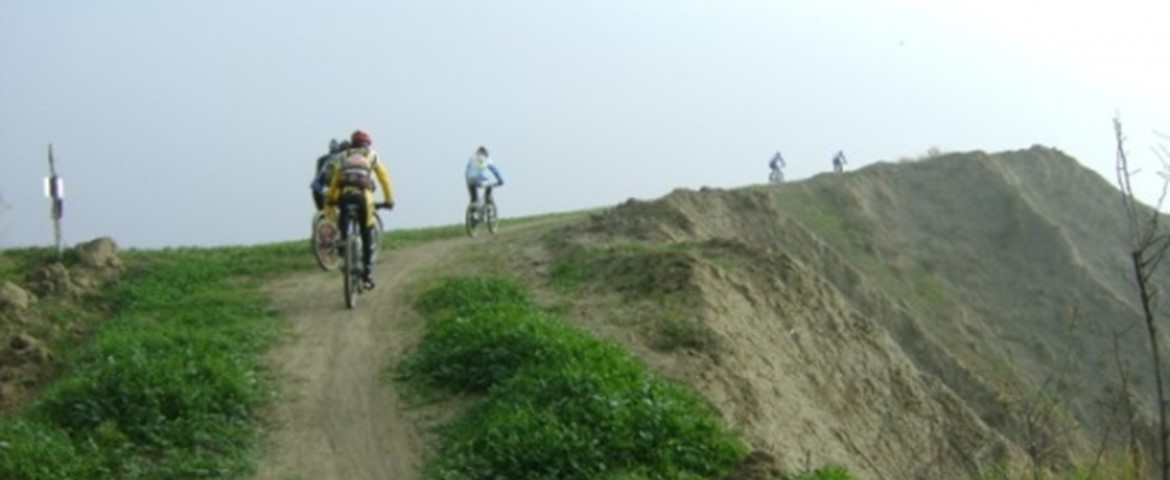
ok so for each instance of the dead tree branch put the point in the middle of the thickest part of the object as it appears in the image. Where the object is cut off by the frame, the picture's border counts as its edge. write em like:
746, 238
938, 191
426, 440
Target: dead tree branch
1147, 249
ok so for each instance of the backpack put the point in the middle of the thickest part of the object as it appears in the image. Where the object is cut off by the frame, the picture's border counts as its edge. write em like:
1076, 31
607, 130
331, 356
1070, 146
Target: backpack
356, 172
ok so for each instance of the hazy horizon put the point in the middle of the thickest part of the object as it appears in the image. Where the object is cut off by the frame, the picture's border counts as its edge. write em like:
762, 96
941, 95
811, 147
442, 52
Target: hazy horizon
180, 124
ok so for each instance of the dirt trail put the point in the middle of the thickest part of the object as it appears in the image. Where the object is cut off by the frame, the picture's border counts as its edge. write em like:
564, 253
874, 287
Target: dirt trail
338, 418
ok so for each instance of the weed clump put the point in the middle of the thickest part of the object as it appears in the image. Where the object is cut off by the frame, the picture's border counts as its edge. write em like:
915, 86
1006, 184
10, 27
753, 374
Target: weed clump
557, 403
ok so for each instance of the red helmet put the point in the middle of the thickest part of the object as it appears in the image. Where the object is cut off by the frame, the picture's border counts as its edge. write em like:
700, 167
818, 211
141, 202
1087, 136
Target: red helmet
360, 139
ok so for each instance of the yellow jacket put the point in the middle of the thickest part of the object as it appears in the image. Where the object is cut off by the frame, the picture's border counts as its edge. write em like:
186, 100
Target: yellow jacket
376, 168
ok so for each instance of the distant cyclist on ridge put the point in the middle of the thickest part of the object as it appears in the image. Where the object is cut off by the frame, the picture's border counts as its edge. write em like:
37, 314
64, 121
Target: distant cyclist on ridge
476, 175
839, 162
776, 164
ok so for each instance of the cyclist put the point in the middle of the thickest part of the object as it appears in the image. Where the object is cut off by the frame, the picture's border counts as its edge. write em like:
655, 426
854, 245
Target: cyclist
321, 175
351, 182
776, 164
476, 174
839, 162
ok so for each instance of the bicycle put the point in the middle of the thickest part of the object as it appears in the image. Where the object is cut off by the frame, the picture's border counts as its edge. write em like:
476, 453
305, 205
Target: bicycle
482, 212
325, 239
352, 269
777, 176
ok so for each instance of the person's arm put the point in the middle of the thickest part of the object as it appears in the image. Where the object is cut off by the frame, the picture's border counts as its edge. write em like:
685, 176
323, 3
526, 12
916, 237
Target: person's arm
384, 180
496, 172
321, 177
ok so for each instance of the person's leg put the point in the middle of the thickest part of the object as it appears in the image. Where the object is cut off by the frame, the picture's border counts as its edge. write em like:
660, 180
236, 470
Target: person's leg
487, 194
343, 218
473, 192
319, 200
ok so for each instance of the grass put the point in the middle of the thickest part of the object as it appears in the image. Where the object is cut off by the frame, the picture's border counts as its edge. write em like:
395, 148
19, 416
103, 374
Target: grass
406, 238
556, 402
638, 270
856, 243
170, 385
659, 276
828, 472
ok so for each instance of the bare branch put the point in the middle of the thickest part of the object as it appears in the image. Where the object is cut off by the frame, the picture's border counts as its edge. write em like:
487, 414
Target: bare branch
1148, 250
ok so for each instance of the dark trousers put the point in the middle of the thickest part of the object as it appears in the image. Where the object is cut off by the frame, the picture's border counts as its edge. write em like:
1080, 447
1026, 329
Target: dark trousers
473, 190
367, 233
319, 200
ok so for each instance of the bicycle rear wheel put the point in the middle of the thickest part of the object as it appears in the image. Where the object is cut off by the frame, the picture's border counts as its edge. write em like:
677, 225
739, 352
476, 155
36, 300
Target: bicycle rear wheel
350, 269
470, 221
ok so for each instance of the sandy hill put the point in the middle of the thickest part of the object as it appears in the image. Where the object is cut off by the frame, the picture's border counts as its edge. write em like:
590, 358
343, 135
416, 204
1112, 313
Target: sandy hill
928, 319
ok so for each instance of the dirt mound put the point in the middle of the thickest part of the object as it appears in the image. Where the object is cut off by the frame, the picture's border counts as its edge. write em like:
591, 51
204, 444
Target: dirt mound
42, 307
14, 298
809, 376
906, 320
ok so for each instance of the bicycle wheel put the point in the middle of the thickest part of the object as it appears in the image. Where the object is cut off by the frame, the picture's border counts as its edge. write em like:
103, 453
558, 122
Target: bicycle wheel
325, 241
470, 221
350, 269
376, 233
490, 217
776, 177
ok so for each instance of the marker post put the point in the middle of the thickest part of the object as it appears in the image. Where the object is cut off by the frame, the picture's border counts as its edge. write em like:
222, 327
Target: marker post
55, 191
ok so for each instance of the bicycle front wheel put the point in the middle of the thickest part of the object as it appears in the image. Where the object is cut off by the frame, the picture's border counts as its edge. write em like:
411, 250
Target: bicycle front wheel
350, 270
490, 217
325, 240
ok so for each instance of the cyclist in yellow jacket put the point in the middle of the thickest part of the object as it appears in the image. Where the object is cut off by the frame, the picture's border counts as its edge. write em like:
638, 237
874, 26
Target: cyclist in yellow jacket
351, 183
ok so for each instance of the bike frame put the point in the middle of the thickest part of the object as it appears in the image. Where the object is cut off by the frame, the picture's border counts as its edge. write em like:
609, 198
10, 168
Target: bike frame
481, 212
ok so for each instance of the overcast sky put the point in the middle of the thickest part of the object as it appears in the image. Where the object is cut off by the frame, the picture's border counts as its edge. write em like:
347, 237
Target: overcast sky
196, 122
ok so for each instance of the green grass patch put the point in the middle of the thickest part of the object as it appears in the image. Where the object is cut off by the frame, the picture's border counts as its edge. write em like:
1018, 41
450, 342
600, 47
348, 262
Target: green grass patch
556, 403
827, 472
638, 270
406, 238
170, 386
395, 239
825, 212
17, 263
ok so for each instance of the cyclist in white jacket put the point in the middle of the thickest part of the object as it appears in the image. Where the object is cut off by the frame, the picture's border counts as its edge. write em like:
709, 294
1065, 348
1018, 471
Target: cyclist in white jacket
476, 174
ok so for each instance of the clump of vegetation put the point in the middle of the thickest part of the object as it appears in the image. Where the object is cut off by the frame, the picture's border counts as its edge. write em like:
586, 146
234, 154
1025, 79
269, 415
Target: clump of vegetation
170, 385
638, 270
557, 402
827, 472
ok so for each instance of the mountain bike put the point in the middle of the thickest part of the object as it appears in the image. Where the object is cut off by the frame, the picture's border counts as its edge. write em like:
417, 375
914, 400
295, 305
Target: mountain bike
351, 254
325, 240
481, 213
777, 176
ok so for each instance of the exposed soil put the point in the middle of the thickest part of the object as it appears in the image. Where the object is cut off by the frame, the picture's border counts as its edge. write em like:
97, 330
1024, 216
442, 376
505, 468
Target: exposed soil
340, 416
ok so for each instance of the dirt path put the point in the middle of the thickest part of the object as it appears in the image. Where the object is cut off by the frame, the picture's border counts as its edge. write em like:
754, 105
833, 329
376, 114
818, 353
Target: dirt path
338, 418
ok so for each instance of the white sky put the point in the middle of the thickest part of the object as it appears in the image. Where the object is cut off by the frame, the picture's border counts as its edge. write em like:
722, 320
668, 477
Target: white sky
184, 122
